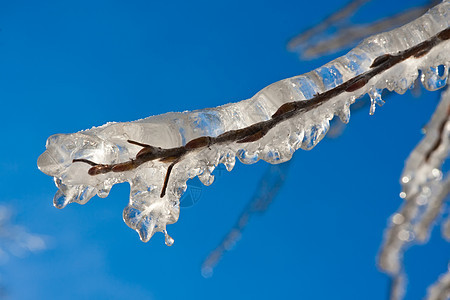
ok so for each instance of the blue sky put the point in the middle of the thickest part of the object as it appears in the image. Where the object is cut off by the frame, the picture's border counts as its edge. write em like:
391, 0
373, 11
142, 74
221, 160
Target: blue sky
67, 66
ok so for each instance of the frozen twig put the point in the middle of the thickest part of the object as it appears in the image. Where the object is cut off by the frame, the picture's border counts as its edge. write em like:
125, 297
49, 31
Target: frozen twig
294, 113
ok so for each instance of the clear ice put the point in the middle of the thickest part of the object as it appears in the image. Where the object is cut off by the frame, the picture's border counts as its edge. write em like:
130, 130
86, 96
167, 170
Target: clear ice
148, 213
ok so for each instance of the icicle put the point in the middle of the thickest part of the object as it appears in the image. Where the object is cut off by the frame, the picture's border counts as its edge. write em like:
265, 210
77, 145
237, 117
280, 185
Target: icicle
104, 191
60, 200
375, 99
168, 239
344, 113
228, 160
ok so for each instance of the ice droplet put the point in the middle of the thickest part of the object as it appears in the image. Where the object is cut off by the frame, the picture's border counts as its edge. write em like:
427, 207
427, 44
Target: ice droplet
146, 229
247, 157
168, 239
60, 200
230, 165
314, 135
206, 178
104, 191
344, 113
434, 78
401, 86
272, 156
228, 160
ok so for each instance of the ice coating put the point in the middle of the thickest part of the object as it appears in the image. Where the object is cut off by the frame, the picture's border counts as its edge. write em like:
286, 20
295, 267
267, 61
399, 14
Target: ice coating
148, 213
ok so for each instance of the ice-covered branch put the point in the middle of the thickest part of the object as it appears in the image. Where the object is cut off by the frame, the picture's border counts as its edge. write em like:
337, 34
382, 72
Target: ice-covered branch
167, 150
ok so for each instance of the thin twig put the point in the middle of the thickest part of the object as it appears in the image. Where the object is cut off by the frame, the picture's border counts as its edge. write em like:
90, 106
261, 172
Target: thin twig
166, 179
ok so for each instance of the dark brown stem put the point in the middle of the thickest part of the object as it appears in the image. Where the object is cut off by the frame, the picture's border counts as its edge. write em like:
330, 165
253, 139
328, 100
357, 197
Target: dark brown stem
166, 179
85, 161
